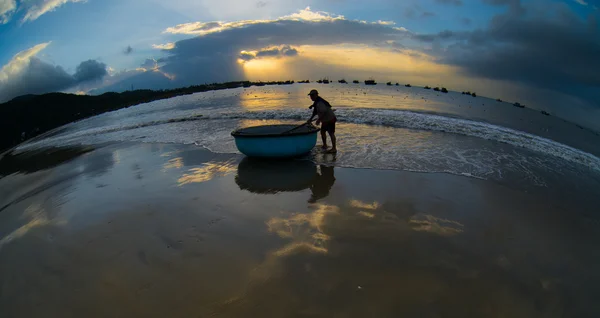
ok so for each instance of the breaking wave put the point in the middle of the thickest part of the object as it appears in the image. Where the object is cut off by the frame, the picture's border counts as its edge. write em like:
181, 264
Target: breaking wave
382, 117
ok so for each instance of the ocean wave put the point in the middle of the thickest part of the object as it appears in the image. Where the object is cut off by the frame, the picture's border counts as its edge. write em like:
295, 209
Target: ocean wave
383, 117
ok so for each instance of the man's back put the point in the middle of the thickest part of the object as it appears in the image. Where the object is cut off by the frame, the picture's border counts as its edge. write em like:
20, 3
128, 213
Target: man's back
323, 109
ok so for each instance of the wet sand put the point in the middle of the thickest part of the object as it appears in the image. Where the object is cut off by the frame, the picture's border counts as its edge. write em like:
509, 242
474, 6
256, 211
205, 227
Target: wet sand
161, 230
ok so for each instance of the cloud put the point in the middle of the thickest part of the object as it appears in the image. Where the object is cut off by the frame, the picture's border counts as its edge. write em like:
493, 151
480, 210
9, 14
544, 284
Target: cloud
149, 75
545, 51
7, 8
581, 2
89, 70
465, 21
214, 54
385, 22
27, 74
36, 8
33, 9
443, 35
514, 6
551, 49
261, 4
166, 46
247, 56
451, 2
427, 14
150, 64
204, 28
285, 50
275, 51
128, 50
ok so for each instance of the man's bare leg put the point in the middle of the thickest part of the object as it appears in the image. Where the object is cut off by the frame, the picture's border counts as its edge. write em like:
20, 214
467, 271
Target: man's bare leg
324, 138
333, 143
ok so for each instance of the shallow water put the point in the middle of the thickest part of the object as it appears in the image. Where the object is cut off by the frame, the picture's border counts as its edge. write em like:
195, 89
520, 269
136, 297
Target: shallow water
382, 127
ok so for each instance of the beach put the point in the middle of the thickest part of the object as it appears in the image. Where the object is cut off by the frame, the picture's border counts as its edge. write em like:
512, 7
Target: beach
155, 230
434, 206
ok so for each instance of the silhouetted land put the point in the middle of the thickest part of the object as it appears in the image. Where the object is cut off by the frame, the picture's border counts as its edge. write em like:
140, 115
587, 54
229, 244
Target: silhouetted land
28, 116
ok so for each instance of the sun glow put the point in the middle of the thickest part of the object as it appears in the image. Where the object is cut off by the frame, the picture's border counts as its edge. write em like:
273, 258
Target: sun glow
264, 69
349, 60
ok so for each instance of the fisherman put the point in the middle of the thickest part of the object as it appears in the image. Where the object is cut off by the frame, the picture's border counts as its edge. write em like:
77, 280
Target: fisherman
326, 118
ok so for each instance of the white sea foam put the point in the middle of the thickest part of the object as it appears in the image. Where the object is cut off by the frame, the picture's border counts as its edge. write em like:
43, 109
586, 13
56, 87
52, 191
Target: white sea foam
379, 117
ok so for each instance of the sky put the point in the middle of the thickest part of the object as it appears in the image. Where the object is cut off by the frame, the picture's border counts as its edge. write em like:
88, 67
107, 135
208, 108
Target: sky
543, 53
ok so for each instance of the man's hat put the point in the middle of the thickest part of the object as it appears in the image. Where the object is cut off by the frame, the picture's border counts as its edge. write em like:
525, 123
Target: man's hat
313, 92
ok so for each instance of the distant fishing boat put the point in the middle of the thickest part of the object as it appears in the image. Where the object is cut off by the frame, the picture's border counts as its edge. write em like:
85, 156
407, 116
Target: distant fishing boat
388, 83
325, 81
444, 90
370, 82
355, 81
304, 82
397, 84
437, 89
519, 105
342, 81
427, 87
320, 81
408, 85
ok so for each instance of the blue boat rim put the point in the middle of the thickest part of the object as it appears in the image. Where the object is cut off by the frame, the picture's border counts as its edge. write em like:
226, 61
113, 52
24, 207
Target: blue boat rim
300, 131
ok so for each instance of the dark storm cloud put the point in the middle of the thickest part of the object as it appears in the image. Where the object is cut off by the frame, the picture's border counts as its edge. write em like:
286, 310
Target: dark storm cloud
41, 77
268, 52
514, 6
288, 51
443, 35
552, 49
291, 32
213, 57
246, 56
89, 70
452, 2
284, 50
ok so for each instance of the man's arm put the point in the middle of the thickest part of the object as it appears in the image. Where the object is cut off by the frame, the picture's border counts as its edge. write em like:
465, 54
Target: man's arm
313, 114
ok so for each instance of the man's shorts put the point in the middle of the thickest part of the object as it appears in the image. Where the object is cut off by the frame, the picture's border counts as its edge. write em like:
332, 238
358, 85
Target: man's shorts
328, 127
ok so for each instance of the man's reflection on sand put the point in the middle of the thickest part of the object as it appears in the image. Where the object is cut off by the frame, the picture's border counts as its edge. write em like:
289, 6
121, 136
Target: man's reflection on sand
322, 183
270, 177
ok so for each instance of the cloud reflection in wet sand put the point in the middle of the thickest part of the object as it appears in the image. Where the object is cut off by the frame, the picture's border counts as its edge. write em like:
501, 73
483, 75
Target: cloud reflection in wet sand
175, 163
432, 224
308, 231
304, 229
340, 263
37, 218
207, 172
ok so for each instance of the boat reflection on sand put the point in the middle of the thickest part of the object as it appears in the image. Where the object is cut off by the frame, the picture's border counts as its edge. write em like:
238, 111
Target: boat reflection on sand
271, 176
